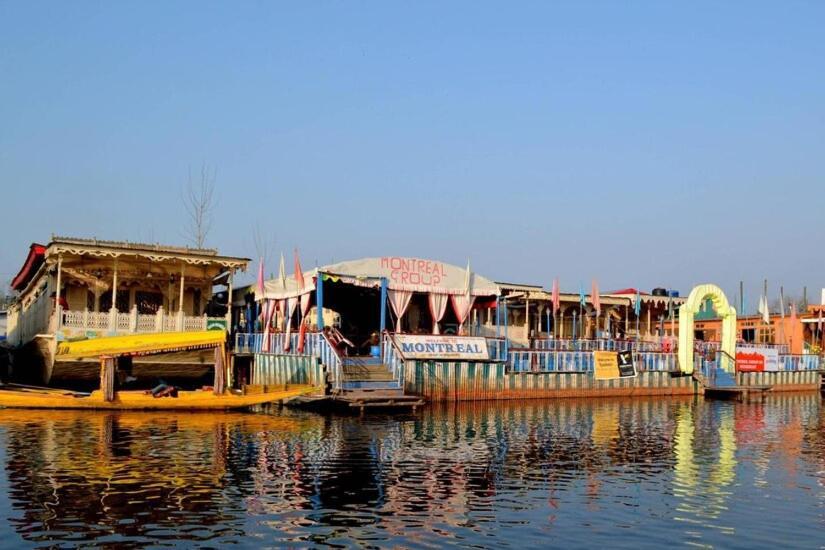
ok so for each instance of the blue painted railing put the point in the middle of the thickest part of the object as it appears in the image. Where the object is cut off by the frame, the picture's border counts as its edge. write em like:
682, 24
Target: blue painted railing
330, 358
254, 343
799, 362
391, 356
581, 361
601, 344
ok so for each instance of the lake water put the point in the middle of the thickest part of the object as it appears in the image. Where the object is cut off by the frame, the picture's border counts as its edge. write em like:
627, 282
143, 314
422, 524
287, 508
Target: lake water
563, 473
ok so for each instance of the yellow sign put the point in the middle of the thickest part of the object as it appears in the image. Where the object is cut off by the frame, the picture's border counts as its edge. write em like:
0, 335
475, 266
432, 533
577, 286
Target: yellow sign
606, 365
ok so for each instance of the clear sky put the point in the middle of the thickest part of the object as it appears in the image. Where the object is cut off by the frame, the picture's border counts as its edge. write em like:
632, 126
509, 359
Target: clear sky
640, 143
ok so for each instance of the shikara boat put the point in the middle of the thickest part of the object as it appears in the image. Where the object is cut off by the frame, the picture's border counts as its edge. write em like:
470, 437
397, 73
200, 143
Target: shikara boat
107, 353
47, 398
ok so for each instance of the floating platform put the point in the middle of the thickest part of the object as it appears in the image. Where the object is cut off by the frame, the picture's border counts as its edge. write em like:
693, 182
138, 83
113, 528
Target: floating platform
735, 392
358, 401
47, 398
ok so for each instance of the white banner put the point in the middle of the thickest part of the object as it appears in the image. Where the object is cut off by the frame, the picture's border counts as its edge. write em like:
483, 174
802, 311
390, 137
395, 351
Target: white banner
442, 347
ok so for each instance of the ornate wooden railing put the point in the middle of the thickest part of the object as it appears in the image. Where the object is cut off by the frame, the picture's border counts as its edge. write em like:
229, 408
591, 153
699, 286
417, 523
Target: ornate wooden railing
134, 322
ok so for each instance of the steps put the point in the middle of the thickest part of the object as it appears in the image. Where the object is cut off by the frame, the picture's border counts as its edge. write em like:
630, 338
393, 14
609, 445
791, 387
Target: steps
721, 379
368, 374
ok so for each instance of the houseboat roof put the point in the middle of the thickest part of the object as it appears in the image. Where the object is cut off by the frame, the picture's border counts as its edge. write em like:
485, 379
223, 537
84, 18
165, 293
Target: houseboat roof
35, 258
401, 273
155, 252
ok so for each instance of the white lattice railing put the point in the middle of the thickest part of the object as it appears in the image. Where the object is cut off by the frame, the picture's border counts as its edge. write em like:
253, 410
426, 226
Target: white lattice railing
170, 323
132, 321
146, 323
194, 323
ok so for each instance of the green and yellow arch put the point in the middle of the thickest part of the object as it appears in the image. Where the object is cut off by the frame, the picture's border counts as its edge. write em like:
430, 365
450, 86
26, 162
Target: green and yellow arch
689, 309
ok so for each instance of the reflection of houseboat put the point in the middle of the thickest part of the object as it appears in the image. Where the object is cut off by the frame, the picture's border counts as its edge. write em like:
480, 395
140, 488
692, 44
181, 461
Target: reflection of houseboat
79, 289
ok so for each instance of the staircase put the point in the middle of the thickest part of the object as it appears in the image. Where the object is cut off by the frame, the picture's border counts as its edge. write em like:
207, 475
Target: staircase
719, 383
369, 383
367, 374
719, 378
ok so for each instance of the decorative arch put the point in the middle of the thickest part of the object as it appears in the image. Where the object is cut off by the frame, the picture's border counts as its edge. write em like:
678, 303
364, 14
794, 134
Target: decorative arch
689, 309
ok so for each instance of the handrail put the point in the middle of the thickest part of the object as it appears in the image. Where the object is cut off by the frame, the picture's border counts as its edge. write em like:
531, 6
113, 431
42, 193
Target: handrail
391, 354
729, 357
331, 358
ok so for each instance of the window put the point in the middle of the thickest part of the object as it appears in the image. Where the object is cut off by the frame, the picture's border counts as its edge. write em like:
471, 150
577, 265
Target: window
765, 335
148, 303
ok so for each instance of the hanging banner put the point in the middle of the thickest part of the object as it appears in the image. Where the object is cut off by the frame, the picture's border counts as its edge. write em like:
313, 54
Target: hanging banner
627, 366
610, 365
761, 359
442, 347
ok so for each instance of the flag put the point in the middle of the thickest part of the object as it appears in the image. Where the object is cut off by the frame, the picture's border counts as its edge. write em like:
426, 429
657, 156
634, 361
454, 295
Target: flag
764, 311
468, 279
819, 322
782, 302
555, 296
299, 274
282, 272
582, 299
637, 307
594, 297
261, 279
793, 315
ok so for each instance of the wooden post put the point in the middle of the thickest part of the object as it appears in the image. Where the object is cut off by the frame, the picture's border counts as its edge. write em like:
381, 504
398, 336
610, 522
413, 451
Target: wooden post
107, 378
57, 307
113, 309
229, 301
219, 386
527, 319
180, 298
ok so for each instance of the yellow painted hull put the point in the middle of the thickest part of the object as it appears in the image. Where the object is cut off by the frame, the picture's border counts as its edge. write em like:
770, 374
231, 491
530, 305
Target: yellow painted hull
138, 400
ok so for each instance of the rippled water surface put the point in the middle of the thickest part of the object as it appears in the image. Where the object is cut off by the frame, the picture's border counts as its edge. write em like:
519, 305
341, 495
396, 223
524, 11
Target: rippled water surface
617, 473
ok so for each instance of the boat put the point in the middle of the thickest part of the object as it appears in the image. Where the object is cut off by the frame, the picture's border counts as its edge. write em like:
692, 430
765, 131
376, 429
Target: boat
23, 397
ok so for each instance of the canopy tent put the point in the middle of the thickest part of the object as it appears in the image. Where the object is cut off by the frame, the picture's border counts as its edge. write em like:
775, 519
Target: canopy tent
402, 274
376, 283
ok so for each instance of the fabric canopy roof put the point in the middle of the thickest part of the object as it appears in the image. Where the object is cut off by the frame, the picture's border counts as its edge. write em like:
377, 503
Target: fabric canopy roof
411, 274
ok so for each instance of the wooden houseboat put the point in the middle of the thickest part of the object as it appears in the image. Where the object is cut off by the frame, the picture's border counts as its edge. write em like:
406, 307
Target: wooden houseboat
73, 289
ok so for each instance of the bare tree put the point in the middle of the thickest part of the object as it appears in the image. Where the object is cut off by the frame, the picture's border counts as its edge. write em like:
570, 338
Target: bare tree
198, 200
264, 243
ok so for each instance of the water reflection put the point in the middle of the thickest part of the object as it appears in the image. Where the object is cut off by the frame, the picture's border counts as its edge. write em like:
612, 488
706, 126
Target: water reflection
561, 472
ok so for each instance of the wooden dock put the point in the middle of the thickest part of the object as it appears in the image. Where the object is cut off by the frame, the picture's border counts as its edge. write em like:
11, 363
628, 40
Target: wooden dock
361, 401
740, 393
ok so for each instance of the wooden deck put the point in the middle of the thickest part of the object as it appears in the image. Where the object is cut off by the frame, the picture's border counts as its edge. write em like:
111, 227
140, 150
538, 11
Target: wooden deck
739, 393
358, 401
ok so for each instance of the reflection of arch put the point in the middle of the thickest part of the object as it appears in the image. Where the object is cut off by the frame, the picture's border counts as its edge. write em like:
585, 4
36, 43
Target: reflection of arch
686, 312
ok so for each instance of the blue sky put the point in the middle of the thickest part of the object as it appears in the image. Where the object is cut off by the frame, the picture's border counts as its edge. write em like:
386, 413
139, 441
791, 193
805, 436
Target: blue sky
640, 143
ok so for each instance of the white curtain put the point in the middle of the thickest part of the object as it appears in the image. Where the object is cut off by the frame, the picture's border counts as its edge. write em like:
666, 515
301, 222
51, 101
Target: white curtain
302, 331
399, 300
462, 304
438, 307
305, 299
269, 311
290, 309
282, 309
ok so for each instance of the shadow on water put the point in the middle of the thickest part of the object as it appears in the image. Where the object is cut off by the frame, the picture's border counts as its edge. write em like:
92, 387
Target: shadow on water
560, 472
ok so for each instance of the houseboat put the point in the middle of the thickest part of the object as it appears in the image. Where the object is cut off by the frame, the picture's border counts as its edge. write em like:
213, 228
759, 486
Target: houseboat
73, 290
467, 337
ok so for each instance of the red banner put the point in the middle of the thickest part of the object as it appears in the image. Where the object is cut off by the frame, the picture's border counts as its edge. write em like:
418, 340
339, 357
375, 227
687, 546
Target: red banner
750, 362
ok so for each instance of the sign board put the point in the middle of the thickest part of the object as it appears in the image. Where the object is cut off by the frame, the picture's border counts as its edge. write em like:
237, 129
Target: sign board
627, 367
609, 365
757, 359
442, 347
216, 324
